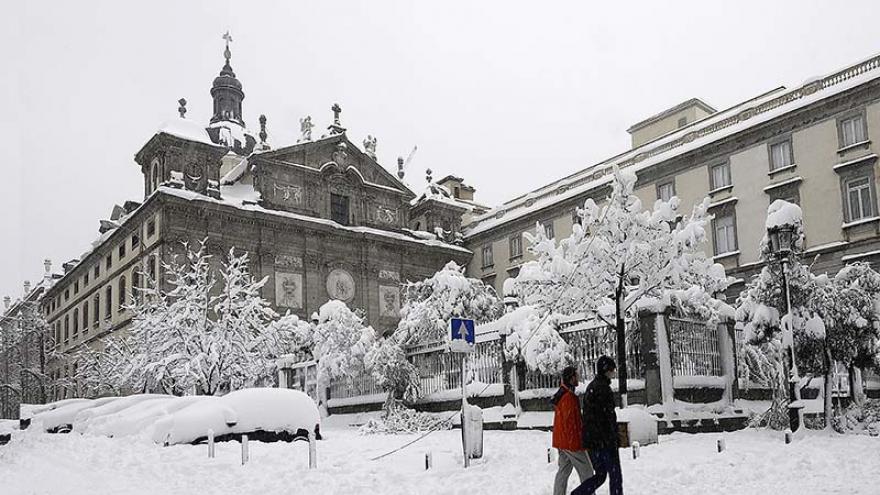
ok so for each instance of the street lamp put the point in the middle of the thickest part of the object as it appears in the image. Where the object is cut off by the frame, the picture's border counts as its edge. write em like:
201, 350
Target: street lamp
781, 239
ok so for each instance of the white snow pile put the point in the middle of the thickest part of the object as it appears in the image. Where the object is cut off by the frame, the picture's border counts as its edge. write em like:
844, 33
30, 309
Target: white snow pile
641, 425
174, 420
186, 129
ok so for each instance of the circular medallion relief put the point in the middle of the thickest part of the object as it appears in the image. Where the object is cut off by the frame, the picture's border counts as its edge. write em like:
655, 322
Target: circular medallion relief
340, 285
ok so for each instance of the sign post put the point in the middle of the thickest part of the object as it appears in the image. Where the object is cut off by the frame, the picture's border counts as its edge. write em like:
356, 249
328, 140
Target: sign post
462, 339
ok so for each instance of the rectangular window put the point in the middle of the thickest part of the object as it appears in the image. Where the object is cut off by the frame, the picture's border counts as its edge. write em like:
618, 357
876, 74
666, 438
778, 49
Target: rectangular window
66, 294
75, 322
121, 294
852, 131
86, 279
682, 122
85, 317
781, 155
516, 246
134, 241
76, 287
66, 328
666, 190
339, 209
488, 256
151, 228
97, 270
548, 229
153, 261
720, 175
109, 262
122, 250
725, 233
858, 199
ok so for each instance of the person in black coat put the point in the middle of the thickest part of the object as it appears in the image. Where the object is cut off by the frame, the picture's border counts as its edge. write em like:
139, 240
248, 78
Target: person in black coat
600, 431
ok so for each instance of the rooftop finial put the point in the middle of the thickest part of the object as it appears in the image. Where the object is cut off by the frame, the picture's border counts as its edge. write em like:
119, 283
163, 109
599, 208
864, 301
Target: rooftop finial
182, 108
400, 172
226, 52
47, 265
336, 127
263, 134
428, 175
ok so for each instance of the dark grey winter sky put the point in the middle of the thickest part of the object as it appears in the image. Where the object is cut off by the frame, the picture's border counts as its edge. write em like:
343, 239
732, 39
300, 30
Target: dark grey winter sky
508, 95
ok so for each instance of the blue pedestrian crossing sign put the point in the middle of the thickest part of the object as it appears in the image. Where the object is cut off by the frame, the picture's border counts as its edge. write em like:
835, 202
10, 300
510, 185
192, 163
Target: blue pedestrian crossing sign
462, 336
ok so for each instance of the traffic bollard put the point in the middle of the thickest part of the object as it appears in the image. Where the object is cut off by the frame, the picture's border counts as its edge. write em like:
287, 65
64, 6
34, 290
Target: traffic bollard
244, 449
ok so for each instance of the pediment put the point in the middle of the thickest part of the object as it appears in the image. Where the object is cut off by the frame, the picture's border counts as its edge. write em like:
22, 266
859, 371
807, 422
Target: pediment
339, 154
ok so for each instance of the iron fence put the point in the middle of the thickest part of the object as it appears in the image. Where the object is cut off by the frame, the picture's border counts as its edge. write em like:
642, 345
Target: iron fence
694, 348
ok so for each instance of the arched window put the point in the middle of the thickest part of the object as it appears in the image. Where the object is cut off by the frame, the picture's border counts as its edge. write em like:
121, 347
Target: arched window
85, 317
96, 310
108, 301
154, 176
121, 293
135, 285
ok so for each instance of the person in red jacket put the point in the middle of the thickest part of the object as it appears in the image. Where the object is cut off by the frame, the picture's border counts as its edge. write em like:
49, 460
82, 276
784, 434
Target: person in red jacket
568, 434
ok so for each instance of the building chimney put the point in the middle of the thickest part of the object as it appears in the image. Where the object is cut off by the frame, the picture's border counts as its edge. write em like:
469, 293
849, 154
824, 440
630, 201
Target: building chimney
47, 265
6, 301
27, 287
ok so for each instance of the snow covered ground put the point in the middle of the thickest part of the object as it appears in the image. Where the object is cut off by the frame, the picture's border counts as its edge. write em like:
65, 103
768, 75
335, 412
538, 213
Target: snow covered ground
755, 462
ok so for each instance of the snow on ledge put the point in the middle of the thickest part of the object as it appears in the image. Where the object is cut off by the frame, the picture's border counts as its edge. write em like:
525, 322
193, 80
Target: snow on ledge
691, 381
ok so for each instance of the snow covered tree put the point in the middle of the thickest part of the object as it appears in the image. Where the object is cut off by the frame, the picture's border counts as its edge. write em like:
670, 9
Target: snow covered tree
27, 346
430, 304
341, 341
192, 337
534, 341
848, 304
387, 362
622, 256
296, 335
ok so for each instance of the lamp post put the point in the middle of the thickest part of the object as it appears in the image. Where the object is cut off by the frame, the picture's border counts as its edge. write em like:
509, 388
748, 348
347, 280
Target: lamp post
781, 240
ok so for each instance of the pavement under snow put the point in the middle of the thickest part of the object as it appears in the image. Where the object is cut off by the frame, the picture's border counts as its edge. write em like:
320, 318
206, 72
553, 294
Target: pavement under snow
754, 462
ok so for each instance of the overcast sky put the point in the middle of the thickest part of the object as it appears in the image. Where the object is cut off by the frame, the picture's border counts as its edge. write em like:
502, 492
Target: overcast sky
507, 95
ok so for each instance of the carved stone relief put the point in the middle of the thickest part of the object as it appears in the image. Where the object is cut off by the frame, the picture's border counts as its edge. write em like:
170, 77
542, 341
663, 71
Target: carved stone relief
340, 285
389, 301
288, 290
288, 261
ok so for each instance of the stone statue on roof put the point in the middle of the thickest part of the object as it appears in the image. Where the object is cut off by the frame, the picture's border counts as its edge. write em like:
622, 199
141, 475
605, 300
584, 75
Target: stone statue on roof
305, 128
370, 146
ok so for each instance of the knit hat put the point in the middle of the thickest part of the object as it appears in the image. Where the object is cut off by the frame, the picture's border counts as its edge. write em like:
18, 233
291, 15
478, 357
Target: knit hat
604, 364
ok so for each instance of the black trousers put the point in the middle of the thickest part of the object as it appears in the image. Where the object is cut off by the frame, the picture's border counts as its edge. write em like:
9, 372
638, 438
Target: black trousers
606, 463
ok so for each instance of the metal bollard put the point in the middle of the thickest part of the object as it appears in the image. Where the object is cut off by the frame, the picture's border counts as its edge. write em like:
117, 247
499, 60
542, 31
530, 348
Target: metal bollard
244, 449
721, 446
787, 436
313, 451
429, 461
210, 443
636, 447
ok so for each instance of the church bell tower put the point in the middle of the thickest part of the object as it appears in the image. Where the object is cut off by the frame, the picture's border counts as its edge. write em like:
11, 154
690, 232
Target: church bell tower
226, 92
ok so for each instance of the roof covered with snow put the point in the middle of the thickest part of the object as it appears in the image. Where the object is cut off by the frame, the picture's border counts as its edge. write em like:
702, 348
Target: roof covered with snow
700, 133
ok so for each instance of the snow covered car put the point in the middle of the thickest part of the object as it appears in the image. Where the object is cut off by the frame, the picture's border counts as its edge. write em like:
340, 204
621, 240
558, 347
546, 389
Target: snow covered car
265, 414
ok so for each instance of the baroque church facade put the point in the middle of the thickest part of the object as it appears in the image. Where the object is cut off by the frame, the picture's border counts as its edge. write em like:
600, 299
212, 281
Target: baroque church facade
321, 219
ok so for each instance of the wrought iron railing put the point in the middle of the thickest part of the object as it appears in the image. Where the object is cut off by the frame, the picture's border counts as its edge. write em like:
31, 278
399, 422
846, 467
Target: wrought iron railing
694, 348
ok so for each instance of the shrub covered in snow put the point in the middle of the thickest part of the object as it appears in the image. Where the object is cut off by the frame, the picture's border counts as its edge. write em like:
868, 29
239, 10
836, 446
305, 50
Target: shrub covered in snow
534, 340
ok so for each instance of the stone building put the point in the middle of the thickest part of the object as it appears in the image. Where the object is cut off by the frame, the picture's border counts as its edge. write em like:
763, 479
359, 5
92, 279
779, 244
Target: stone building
812, 145
320, 218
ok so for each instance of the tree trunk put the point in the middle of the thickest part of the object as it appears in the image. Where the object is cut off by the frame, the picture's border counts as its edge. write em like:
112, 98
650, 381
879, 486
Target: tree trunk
855, 386
621, 345
829, 379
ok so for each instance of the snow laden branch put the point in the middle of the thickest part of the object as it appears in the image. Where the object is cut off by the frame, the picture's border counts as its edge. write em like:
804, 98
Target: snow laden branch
428, 305
622, 258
